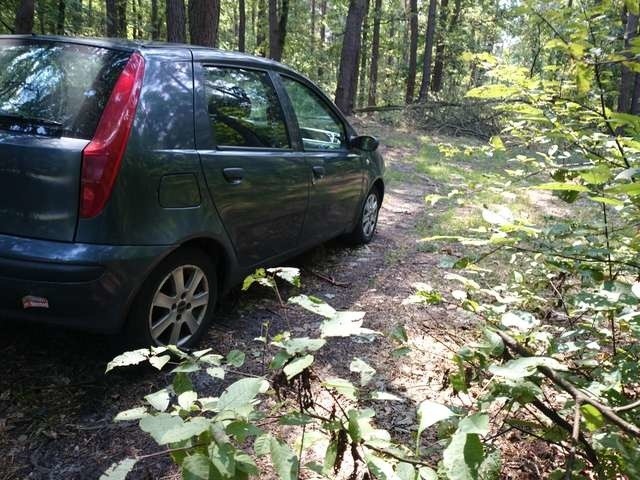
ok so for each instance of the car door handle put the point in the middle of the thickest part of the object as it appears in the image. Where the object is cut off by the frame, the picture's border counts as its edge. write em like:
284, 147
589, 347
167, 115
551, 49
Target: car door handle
233, 175
318, 172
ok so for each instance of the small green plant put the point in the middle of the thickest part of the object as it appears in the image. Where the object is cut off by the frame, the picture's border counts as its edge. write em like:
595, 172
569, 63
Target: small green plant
222, 437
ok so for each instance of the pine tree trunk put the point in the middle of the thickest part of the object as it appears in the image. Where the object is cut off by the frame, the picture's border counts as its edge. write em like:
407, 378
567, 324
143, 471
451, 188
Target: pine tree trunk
202, 22
112, 27
428, 51
413, 51
134, 9
323, 34
176, 21
278, 17
438, 64
627, 78
121, 18
242, 25
635, 100
375, 53
363, 58
60, 20
24, 16
348, 70
261, 34
155, 24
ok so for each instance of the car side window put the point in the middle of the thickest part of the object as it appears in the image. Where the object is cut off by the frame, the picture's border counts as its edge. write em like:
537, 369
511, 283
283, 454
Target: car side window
319, 127
244, 109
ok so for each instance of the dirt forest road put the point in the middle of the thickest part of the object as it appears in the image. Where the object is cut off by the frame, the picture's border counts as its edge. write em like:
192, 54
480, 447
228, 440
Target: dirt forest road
57, 405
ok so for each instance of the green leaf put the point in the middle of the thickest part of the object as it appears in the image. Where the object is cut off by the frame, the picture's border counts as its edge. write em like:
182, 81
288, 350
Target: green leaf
182, 383
345, 324
405, 471
235, 358
262, 445
159, 400
632, 6
196, 467
284, 460
216, 372
342, 386
239, 395
493, 91
297, 366
288, 274
584, 76
463, 457
119, 470
399, 333
593, 419
496, 143
430, 413
222, 457
159, 361
630, 189
365, 370
562, 186
242, 430
607, 201
597, 175
519, 320
524, 367
475, 423
131, 414
165, 428
187, 399
125, 359
314, 305
301, 344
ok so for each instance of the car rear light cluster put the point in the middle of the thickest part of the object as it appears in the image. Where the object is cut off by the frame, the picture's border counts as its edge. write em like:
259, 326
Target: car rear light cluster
101, 158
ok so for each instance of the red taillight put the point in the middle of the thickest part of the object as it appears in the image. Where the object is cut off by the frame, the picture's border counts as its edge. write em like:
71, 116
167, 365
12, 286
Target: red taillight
102, 156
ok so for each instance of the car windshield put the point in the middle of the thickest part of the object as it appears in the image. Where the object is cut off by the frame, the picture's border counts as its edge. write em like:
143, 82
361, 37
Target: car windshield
49, 88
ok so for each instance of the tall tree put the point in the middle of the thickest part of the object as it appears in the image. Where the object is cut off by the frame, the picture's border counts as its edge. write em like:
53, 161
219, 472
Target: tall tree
155, 22
242, 25
627, 78
323, 34
60, 19
278, 17
363, 58
348, 70
413, 51
375, 53
176, 21
447, 26
24, 17
428, 50
121, 19
112, 15
261, 35
203, 21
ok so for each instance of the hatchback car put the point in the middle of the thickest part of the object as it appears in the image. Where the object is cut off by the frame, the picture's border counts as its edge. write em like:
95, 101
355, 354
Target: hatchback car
139, 182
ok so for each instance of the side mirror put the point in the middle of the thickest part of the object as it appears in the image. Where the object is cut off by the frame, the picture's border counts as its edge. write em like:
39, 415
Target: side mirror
364, 142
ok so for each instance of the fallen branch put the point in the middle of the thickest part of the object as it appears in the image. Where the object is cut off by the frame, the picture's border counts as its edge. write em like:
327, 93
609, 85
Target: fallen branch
579, 396
330, 280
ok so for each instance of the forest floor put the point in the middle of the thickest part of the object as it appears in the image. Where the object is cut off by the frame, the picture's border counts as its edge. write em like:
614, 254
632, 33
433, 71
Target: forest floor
57, 404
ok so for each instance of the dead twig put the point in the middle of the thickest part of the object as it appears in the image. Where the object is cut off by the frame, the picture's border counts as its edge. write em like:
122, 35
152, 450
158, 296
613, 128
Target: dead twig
328, 279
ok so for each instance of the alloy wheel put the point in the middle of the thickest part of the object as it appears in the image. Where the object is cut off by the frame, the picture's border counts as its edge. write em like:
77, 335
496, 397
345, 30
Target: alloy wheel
370, 215
179, 305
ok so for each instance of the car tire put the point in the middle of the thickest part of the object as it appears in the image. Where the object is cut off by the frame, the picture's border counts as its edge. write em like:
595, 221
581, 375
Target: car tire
176, 303
365, 229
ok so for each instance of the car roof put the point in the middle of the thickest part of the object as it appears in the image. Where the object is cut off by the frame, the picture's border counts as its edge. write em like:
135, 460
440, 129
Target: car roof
153, 46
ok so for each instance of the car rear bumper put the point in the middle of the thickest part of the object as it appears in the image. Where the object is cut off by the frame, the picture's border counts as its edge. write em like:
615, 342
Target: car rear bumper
77, 285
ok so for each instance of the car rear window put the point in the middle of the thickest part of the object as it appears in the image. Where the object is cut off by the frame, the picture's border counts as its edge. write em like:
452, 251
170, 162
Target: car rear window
56, 87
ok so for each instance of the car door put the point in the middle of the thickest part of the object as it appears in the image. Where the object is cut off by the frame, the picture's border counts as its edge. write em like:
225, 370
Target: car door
258, 183
337, 176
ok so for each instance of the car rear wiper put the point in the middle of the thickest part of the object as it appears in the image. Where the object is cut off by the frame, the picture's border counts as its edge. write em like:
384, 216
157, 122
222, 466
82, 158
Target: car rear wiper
32, 125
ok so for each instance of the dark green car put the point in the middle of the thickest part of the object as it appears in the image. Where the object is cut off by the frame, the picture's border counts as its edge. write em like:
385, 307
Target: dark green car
141, 181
